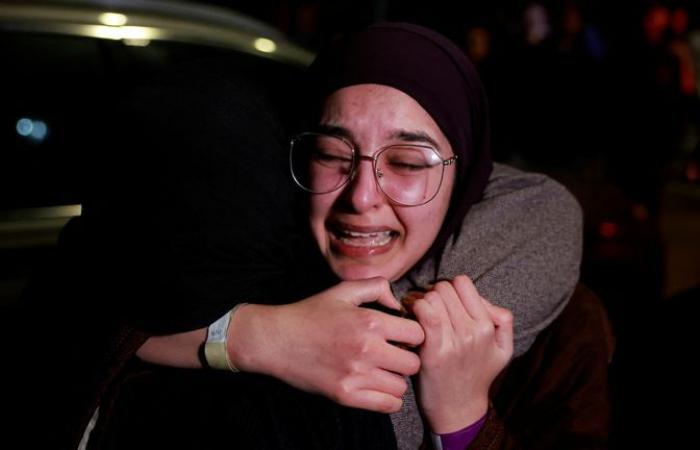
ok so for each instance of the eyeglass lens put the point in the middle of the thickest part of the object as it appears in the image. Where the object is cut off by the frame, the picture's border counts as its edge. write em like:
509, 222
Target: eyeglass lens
407, 174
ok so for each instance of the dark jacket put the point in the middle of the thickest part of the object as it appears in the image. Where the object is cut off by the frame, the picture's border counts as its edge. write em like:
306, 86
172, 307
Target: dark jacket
556, 395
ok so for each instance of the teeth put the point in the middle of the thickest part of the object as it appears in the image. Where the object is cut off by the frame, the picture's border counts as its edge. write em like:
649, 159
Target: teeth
358, 239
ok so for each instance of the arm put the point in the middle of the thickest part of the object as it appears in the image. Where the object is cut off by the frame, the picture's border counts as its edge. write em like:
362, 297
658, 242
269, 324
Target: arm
520, 245
300, 344
174, 350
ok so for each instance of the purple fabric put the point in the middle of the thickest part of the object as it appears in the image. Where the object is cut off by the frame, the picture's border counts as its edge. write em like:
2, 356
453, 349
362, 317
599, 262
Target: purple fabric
460, 440
436, 73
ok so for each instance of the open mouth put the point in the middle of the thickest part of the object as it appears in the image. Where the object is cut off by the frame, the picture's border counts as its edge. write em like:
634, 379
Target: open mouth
357, 239
362, 237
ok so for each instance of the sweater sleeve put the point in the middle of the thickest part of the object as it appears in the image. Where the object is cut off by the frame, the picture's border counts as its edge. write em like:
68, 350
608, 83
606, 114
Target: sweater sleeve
521, 245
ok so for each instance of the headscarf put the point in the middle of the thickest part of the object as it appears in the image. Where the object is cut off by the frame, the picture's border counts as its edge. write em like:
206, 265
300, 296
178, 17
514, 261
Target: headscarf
433, 71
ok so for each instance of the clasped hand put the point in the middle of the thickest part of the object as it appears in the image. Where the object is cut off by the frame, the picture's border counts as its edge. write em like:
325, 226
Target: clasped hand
327, 344
468, 341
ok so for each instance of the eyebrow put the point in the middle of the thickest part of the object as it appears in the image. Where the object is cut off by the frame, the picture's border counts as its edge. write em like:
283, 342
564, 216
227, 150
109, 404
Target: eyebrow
416, 136
336, 130
402, 135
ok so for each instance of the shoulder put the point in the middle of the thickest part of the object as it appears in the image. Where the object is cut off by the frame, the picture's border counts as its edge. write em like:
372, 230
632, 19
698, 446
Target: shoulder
526, 202
526, 210
509, 187
522, 245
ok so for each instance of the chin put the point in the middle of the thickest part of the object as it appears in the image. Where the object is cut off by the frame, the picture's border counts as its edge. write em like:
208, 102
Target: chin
351, 272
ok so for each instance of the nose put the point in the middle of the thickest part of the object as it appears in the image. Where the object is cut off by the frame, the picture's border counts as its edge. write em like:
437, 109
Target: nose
362, 192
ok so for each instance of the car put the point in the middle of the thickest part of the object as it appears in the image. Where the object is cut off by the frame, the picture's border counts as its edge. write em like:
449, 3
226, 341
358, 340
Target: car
64, 61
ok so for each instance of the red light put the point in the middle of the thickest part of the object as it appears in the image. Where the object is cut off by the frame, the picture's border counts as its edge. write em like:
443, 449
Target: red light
692, 171
679, 21
608, 229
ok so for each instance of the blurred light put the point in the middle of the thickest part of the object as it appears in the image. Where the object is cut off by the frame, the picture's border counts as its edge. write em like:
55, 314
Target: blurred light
25, 127
113, 19
640, 212
692, 171
265, 45
679, 21
118, 33
478, 43
656, 21
40, 130
608, 229
33, 129
537, 27
137, 42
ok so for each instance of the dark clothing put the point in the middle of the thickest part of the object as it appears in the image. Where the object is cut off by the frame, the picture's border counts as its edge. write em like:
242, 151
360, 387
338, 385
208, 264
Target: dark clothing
195, 206
188, 210
553, 397
556, 395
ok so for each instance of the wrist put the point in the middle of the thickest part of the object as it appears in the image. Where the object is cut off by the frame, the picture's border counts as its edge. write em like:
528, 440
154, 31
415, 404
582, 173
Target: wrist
215, 349
458, 440
248, 342
456, 419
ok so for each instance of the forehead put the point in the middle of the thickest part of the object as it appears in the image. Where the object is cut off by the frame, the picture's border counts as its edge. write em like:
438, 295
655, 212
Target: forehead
378, 107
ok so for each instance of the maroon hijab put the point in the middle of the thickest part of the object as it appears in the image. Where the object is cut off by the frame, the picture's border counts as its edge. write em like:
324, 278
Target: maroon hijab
435, 72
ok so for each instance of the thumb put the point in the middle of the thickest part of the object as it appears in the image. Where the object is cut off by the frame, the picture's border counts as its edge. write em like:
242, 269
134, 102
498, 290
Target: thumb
370, 290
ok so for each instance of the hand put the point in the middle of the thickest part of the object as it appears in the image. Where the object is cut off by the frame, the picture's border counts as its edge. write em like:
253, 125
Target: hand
327, 344
468, 341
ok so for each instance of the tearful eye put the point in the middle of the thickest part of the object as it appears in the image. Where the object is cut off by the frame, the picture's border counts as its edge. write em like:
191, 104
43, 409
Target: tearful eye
409, 166
406, 162
325, 156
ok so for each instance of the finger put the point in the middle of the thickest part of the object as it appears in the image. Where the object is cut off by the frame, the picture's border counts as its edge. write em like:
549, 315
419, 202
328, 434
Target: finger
392, 358
376, 401
470, 298
458, 316
503, 319
370, 290
492, 310
387, 382
432, 322
400, 330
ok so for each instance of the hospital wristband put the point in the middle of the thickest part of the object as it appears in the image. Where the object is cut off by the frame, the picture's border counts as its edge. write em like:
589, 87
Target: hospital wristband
215, 349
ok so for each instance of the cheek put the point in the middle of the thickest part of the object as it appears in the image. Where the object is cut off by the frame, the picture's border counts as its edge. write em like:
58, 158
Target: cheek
423, 223
319, 209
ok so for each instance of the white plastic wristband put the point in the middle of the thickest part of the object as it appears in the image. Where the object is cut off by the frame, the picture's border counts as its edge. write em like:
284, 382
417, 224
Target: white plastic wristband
215, 351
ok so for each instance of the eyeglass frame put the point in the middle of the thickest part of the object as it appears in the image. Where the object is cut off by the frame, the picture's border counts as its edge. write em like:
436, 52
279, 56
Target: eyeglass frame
357, 156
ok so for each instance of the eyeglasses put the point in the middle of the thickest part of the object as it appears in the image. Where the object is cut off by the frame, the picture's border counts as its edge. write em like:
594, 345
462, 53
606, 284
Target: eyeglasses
407, 174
